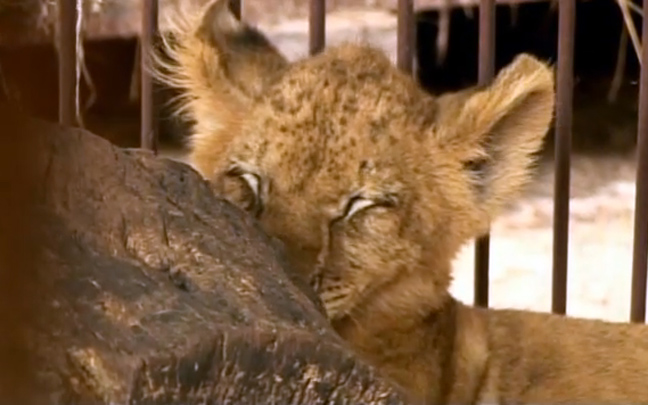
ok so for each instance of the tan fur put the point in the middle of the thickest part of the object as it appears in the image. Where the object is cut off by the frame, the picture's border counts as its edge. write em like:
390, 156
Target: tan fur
300, 144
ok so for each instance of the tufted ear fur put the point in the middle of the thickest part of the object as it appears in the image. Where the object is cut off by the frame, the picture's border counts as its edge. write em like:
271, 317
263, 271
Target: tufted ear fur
497, 130
220, 65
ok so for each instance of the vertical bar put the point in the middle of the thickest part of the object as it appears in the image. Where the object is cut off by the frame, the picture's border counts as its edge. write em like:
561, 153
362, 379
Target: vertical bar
22, 307
640, 244
317, 26
67, 60
564, 97
486, 41
235, 7
405, 35
149, 31
486, 71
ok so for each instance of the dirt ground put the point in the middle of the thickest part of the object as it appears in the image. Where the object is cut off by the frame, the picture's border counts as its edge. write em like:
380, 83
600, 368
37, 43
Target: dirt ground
601, 208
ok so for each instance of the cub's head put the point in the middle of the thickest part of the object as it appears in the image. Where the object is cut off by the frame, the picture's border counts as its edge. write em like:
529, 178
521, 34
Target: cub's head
371, 183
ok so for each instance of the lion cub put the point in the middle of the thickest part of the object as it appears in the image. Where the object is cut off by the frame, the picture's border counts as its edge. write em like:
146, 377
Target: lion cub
373, 185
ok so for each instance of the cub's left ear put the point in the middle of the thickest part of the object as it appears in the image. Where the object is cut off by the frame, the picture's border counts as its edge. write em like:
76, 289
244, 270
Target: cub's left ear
497, 130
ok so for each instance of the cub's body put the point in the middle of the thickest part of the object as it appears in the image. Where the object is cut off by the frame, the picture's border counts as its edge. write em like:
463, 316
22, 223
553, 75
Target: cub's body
373, 185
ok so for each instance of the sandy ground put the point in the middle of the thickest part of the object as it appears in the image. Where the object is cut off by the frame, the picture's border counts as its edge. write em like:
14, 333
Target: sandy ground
601, 208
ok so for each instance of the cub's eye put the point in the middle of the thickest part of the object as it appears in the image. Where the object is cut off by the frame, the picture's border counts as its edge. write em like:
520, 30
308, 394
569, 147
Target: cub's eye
253, 182
360, 203
246, 189
355, 205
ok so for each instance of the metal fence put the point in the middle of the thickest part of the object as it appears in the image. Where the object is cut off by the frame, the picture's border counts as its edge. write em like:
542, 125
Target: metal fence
406, 29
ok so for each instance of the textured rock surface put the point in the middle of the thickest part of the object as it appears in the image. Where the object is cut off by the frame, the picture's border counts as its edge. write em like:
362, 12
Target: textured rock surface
153, 289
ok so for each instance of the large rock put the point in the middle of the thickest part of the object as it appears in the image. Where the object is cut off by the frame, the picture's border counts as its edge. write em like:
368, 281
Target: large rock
151, 289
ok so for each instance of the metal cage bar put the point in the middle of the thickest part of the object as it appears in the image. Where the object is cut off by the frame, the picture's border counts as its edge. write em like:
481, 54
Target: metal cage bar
237, 7
564, 109
405, 36
486, 72
149, 131
317, 26
67, 58
640, 241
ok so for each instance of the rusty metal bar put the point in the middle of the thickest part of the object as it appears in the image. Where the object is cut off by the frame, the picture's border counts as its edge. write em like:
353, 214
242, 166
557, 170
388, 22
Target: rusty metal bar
67, 58
405, 35
486, 71
23, 268
317, 26
640, 248
236, 7
564, 107
149, 31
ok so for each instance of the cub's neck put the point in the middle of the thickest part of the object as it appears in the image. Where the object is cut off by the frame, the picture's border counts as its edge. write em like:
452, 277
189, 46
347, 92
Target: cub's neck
437, 355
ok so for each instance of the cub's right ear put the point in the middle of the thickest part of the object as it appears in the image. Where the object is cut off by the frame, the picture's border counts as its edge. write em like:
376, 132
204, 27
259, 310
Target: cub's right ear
220, 66
212, 56
247, 58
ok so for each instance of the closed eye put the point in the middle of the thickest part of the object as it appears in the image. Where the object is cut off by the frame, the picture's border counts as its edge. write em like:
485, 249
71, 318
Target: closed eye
254, 184
360, 203
355, 205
